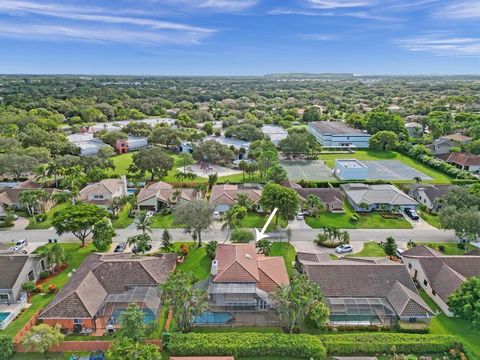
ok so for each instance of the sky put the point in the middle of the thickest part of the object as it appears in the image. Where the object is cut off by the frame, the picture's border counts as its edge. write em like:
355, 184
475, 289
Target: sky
239, 37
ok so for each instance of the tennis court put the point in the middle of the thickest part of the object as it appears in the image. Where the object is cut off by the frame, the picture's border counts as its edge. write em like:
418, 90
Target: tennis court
392, 170
307, 170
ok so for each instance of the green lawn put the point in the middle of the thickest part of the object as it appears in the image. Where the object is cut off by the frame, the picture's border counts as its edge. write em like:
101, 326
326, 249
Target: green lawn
451, 248
287, 251
196, 262
39, 301
48, 222
123, 219
163, 222
432, 219
442, 324
254, 220
371, 220
367, 154
370, 249
238, 178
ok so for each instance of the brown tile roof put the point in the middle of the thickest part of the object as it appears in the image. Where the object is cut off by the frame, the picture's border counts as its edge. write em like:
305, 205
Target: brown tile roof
348, 279
28, 184
446, 282
226, 194
273, 267
407, 303
103, 187
421, 250
457, 137
327, 195
307, 257
164, 192
101, 275
463, 159
11, 196
474, 252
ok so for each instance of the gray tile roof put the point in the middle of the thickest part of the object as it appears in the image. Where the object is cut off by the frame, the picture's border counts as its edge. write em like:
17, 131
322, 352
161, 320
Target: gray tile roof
407, 303
327, 195
335, 128
11, 266
377, 194
421, 250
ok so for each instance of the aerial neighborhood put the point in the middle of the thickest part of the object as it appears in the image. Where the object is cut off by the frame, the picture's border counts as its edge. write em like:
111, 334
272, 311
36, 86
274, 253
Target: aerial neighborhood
148, 217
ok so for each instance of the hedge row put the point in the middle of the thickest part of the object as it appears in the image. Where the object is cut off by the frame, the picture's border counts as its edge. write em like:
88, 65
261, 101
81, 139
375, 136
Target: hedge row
246, 345
375, 343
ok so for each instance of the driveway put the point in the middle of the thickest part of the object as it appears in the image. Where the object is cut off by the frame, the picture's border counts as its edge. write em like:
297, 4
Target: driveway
311, 247
419, 224
298, 224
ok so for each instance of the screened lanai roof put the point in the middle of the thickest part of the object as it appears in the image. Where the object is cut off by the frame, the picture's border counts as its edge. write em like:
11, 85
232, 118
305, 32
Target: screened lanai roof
360, 306
145, 296
232, 288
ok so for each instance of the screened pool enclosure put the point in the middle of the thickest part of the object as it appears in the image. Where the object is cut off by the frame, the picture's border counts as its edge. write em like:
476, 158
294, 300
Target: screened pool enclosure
360, 311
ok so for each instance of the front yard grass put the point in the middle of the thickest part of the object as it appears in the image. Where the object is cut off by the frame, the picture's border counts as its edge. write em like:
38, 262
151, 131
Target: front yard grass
368, 154
371, 220
287, 251
450, 248
164, 222
370, 249
196, 261
48, 221
431, 219
442, 324
77, 255
255, 220
123, 220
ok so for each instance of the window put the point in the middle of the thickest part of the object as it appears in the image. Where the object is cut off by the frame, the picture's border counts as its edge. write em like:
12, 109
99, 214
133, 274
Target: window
4, 297
98, 196
78, 321
409, 265
434, 292
31, 276
425, 282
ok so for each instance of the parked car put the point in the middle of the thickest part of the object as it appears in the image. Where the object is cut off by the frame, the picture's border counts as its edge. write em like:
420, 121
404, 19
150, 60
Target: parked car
399, 252
120, 248
412, 214
216, 215
150, 213
19, 245
345, 248
300, 216
3, 216
136, 250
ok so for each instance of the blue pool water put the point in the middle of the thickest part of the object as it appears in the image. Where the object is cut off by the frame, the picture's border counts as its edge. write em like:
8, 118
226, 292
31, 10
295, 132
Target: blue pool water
148, 315
3, 315
131, 191
209, 317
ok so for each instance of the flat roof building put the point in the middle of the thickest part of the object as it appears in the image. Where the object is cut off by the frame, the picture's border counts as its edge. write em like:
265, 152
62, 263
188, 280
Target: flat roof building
338, 134
275, 133
350, 169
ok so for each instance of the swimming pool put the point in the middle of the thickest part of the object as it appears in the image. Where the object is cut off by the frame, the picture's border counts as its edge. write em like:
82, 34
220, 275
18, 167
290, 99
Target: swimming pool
148, 315
3, 315
131, 191
209, 317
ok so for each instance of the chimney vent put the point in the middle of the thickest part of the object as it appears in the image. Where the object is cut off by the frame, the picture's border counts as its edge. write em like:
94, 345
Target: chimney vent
214, 269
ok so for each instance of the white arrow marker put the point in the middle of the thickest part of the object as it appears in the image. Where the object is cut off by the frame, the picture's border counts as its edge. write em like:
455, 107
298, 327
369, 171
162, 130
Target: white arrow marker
259, 235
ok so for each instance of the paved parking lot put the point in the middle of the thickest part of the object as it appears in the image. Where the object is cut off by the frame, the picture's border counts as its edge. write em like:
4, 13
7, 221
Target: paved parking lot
392, 170
307, 170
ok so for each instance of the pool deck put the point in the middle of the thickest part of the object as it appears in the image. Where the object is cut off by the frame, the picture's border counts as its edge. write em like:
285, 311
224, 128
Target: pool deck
249, 318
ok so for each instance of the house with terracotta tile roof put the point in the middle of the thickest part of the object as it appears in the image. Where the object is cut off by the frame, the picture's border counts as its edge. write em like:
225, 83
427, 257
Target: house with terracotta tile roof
103, 192
161, 195
225, 196
464, 161
9, 197
457, 138
103, 287
440, 275
243, 279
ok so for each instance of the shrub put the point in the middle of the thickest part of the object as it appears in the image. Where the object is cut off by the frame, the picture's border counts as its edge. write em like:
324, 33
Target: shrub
44, 274
29, 286
184, 250
354, 218
6, 347
413, 328
52, 288
352, 344
241, 236
41, 217
246, 345
211, 249
441, 248
39, 289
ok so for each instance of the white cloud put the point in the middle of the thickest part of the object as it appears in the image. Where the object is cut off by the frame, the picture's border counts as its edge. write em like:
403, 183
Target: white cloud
214, 5
467, 10
339, 4
317, 37
442, 44
91, 20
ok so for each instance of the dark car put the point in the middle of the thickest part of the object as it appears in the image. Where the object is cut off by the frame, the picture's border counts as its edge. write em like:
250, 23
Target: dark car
136, 249
120, 248
412, 214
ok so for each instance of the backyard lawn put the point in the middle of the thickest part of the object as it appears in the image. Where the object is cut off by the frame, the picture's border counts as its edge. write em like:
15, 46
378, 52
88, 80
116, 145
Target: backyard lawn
370, 249
196, 261
287, 251
48, 222
163, 222
442, 324
254, 220
371, 220
367, 154
123, 219
76, 256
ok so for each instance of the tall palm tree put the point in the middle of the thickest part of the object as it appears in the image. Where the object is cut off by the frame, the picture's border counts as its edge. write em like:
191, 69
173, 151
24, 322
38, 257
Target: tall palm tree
201, 189
41, 172
231, 221
54, 169
143, 222
54, 255
65, 196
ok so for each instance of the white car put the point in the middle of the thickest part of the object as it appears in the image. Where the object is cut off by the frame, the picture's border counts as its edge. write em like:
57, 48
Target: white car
345, 248
19, 245
300, 216
216, 215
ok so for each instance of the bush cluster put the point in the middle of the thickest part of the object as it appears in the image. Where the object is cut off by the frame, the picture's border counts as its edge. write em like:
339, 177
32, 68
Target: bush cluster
349, 344
413, 328
246, 345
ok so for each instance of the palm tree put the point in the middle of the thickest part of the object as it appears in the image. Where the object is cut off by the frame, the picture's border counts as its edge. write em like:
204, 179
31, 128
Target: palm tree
265, 246
231, 221
212, 180
54, 169
54, 255
143, 222
41, 172
65, 196
201, 189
